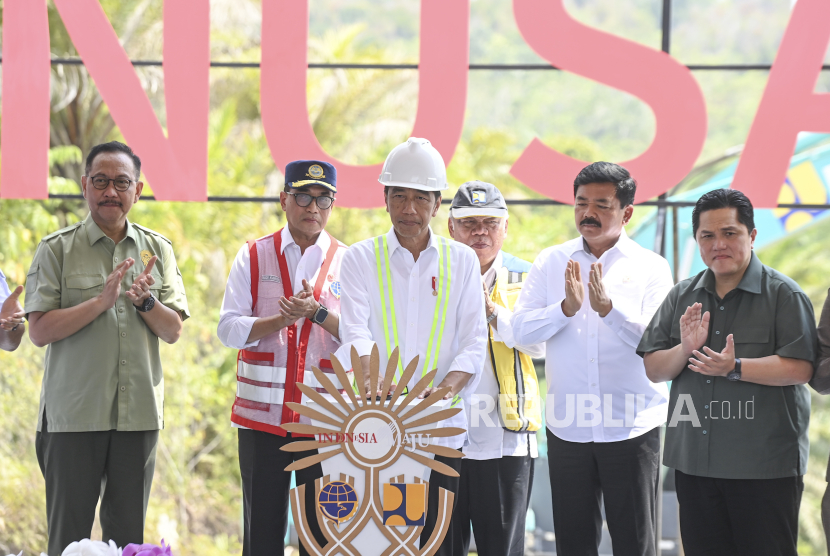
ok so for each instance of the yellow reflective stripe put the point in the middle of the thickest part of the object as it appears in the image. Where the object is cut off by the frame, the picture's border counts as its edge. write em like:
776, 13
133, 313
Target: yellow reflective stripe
385, 289
446, 288
384, 283
440, 285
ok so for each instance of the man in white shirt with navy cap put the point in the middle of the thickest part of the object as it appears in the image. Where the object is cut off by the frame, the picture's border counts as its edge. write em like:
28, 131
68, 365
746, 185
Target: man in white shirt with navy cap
497, 470
427, 297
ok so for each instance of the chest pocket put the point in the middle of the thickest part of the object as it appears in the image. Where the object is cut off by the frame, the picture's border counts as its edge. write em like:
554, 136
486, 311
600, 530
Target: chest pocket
270, 286
753, 341
83, 287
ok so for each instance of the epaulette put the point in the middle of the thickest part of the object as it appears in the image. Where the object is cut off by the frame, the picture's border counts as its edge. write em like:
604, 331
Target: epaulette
151, 232
515, 277
62, 231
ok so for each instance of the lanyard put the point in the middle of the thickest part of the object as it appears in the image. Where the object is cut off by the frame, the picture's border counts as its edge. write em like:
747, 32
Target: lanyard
441, 303
296, 356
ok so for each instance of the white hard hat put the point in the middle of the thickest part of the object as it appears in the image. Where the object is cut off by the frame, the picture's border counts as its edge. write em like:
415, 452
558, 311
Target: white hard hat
415, 164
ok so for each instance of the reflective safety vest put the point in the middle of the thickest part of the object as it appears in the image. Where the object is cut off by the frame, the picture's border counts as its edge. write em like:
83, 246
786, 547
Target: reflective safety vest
387, 300
519, 404
268, 373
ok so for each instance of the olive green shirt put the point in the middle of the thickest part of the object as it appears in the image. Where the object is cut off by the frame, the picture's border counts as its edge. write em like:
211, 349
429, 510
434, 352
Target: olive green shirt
738, 430
106, 376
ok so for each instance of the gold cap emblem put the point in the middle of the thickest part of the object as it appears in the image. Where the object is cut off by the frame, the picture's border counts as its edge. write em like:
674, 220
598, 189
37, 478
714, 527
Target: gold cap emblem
316, 172
146, 256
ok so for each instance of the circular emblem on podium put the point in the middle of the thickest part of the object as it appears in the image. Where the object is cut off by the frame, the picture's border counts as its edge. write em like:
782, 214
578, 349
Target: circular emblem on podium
337, 501
375, 438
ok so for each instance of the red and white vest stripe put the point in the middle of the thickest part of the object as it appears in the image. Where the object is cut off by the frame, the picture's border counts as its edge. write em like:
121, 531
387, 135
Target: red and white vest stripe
267, 373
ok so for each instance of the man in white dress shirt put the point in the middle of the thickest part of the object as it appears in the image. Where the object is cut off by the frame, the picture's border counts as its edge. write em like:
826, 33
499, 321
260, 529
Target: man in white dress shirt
590, 299
434, 307
497, 470
281, 310
12, 324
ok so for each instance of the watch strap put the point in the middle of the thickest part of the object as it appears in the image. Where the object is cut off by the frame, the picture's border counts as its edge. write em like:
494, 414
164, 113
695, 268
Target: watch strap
148, 305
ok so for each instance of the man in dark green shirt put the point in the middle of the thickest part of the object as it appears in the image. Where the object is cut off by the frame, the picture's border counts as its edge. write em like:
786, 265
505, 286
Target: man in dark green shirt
738, 341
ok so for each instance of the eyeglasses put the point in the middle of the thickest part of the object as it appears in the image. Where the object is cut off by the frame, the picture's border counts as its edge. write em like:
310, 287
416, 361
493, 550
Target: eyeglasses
101, 182
304, 199
491, 224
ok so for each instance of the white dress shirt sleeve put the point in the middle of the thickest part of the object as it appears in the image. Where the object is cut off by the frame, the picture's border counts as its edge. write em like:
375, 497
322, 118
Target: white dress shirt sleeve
472, 328
355, 308
235, 317
534, 320
505, 335
631, 327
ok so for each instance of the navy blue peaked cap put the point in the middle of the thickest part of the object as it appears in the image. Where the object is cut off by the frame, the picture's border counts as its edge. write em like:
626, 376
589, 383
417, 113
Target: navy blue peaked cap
301, 173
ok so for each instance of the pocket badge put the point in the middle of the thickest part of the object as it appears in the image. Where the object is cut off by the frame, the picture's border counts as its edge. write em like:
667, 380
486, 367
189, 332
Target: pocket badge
146, 256
335, 289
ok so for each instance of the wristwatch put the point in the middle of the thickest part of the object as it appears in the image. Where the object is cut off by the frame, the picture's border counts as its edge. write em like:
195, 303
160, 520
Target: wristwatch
320, 315
735, 374
148, 304
494, 314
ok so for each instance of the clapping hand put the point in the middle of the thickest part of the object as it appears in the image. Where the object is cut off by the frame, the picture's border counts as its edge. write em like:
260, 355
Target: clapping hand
600, 302
714, 363
694, 328
11, 313
302, 305
489, 304
574, 289
140, 290
112, 287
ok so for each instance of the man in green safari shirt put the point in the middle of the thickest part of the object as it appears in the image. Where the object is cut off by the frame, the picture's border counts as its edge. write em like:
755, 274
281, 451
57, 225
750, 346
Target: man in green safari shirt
738, 341
100, 294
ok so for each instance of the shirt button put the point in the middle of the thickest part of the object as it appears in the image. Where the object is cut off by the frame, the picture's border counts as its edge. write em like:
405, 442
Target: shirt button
592, 359
708, 381
121, 309
116, 259
593, 385
704, 432
717, 331
123, 388
705, 407
721, 307
123, 361
123, 334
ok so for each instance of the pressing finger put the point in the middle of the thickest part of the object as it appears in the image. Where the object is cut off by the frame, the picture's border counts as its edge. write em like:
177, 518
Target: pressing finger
702, 357
150, 265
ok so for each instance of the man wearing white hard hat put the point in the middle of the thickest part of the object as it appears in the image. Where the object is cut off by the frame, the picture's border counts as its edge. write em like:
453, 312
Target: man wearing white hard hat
421, 292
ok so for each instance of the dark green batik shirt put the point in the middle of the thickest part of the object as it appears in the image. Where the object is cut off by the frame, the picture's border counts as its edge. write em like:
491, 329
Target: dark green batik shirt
738, 430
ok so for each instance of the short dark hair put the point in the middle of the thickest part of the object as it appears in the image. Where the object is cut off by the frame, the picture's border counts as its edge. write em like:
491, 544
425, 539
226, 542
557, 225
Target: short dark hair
113, 147
608, 172
386, 189
724, 198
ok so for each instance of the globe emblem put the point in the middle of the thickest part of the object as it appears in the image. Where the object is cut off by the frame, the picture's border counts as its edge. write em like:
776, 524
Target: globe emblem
337, 501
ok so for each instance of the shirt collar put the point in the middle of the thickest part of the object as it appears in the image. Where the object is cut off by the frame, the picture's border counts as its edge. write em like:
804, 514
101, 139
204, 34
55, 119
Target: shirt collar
625, 244
393, 243
323, 241
94, 232
498, 262
750, 282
